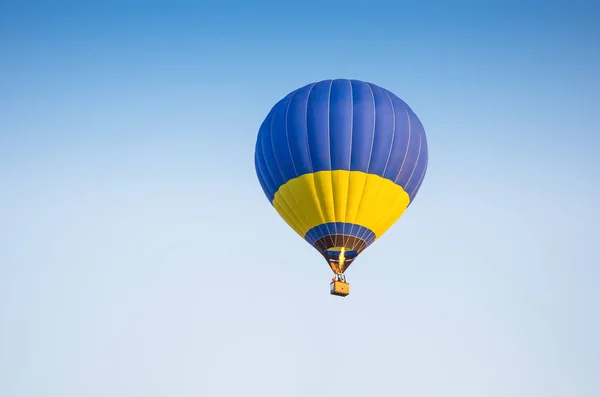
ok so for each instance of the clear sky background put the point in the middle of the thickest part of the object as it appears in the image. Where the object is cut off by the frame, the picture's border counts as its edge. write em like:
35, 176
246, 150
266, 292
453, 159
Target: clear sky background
127, 132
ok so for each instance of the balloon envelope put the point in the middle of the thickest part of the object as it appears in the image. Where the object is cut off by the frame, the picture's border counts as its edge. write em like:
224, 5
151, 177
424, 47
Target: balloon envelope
340, 160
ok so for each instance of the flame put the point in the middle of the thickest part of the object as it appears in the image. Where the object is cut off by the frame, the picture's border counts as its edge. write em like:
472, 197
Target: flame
342, 259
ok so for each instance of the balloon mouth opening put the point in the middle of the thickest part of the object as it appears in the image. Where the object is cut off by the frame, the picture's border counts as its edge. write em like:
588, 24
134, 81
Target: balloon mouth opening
340, 258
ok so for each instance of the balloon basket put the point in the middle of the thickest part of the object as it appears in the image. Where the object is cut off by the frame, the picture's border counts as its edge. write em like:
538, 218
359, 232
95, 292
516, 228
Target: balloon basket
339, 288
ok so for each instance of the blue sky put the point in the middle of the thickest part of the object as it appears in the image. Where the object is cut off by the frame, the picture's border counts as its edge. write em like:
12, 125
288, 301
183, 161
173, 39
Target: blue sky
127, 133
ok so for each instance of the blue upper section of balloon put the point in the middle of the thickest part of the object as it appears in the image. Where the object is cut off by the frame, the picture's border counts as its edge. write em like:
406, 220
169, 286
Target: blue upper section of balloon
341, 125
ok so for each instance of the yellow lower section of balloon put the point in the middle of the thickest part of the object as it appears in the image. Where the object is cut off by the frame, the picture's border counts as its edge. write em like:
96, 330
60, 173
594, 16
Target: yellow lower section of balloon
355, 197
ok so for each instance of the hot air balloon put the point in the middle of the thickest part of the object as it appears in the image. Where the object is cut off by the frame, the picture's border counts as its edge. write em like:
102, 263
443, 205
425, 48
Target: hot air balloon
340, 161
